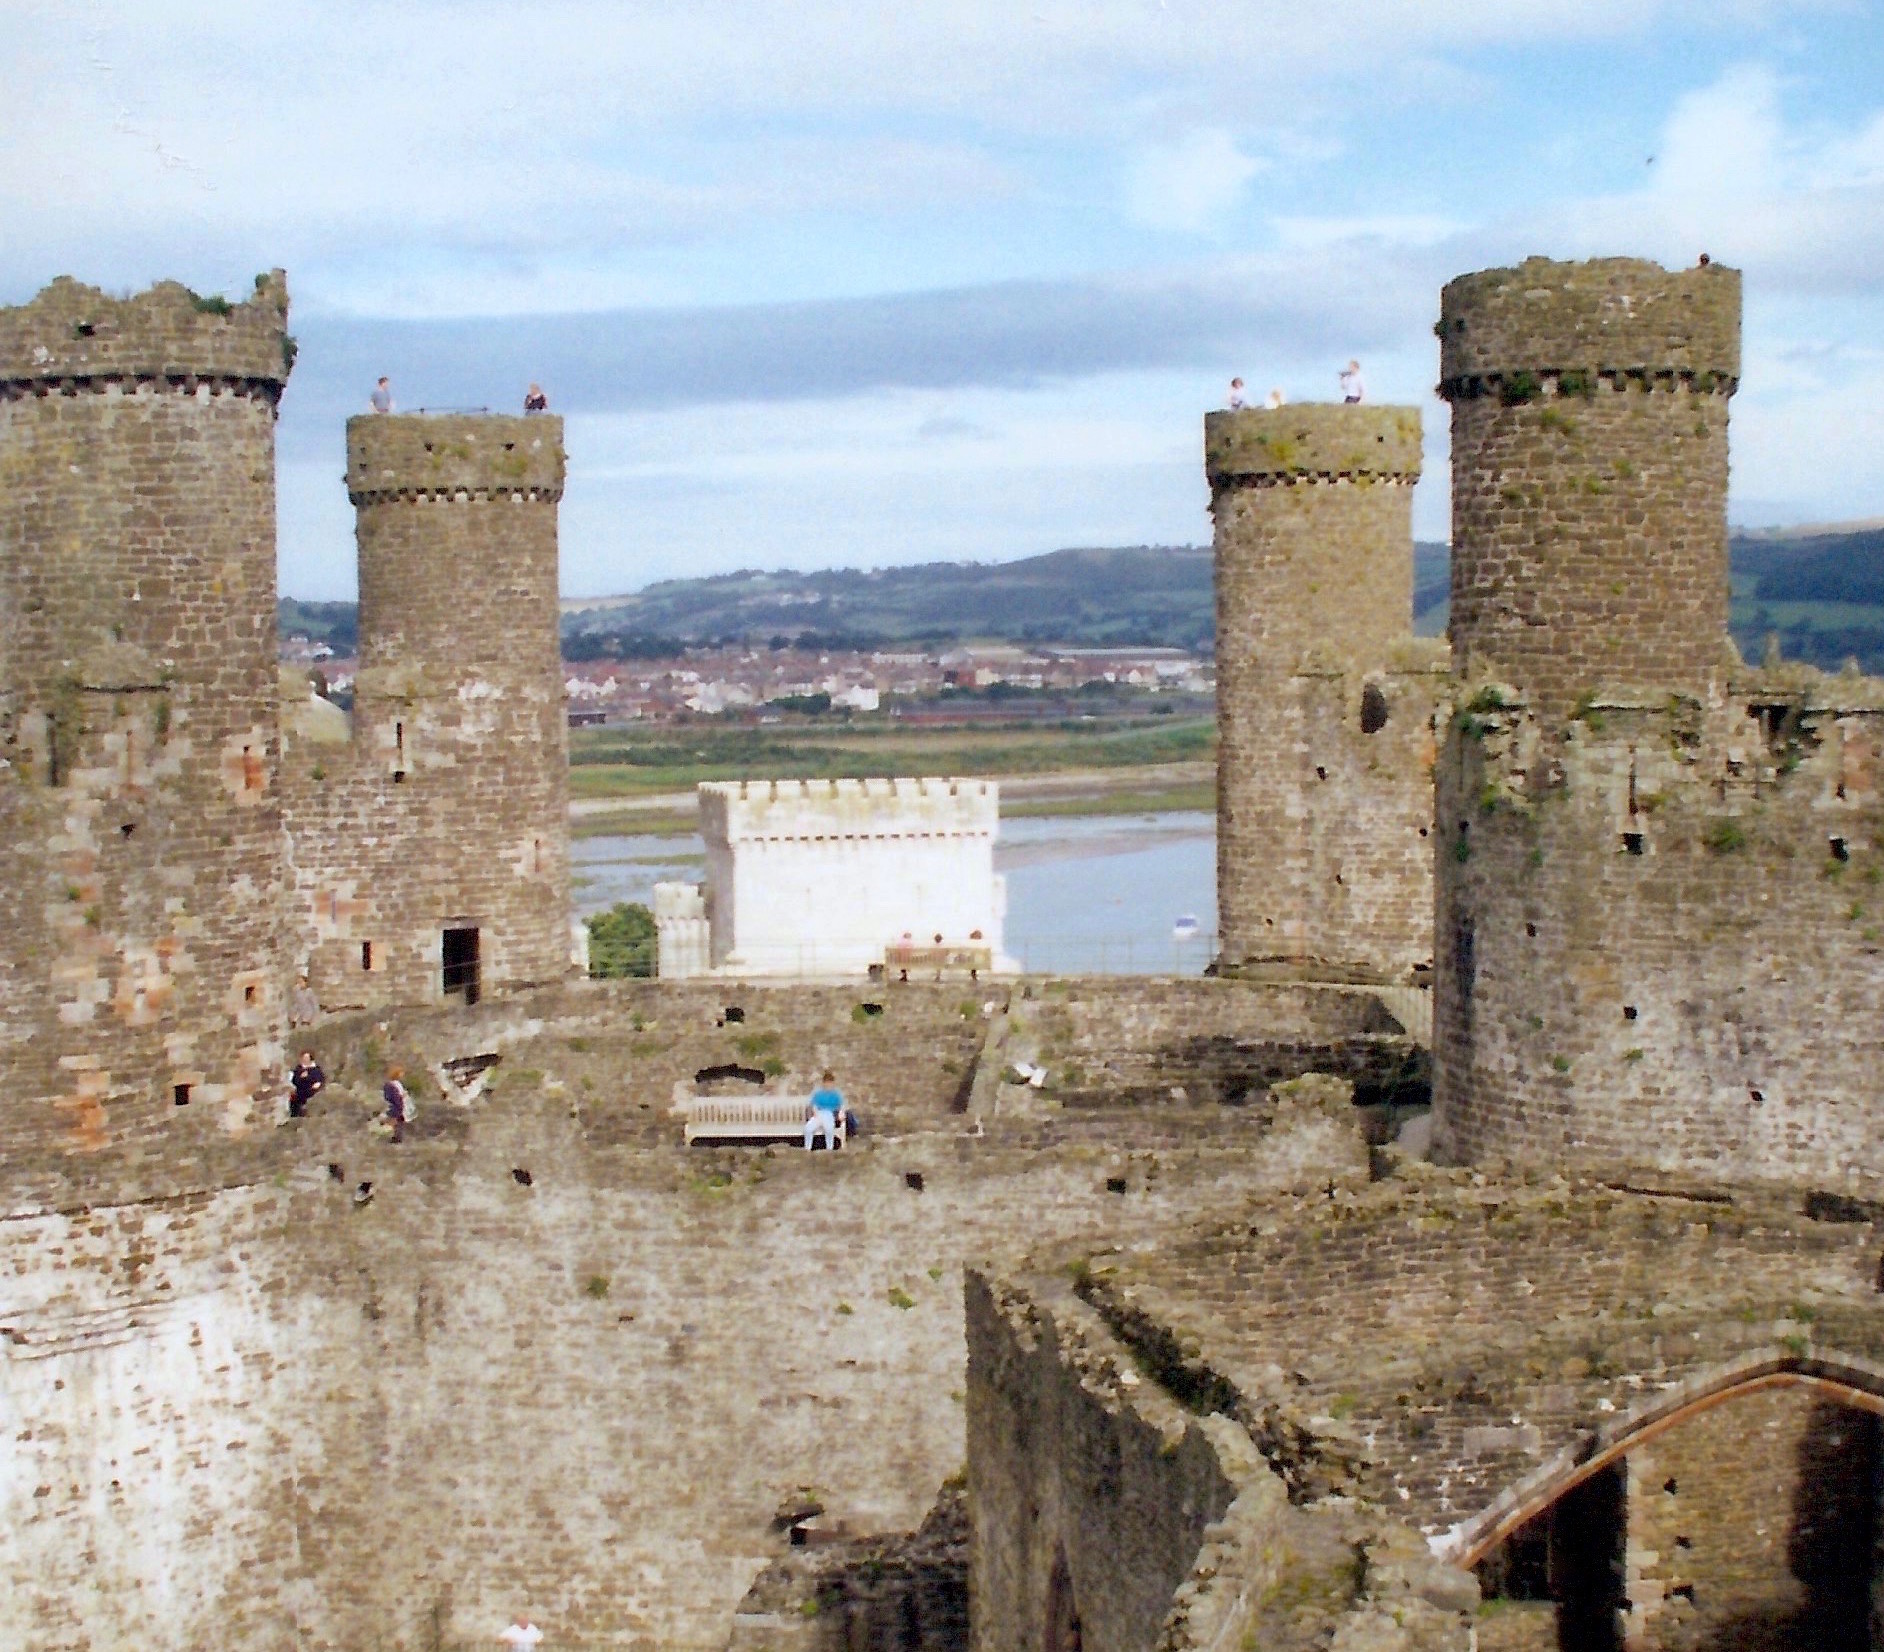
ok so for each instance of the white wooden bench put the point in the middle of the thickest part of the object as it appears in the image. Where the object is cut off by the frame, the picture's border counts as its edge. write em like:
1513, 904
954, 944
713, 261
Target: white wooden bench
750, 1118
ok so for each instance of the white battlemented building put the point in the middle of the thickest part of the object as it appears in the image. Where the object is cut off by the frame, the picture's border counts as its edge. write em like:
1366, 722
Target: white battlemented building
840, 877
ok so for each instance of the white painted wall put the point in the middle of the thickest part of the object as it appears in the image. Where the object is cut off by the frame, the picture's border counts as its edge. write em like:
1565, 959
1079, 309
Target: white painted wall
819, 877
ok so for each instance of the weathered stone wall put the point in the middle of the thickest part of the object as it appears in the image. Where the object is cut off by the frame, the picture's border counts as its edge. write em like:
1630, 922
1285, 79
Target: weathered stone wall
556, 1359
1480, 1357
1180, 1043
1653, 942
1660, 935
1589, 465
1509, 1331
835, 1593
450, 808
1084, 1507
1754, 1524
141, 848
1111, 1512
1325, 734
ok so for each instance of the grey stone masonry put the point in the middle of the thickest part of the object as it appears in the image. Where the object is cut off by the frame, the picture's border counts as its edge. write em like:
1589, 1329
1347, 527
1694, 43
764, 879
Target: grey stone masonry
1589, 462
448, 815
1656, 937
141, 844
1324, 701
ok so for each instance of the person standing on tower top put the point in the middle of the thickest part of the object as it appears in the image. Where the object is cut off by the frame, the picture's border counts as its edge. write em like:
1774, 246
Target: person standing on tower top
1353, 387
1237, 399
536, 401
381, 401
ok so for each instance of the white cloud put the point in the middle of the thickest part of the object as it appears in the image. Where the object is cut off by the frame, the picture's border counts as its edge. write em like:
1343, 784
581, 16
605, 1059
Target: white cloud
554, 142
1722, 144
1405, 229
1195, 185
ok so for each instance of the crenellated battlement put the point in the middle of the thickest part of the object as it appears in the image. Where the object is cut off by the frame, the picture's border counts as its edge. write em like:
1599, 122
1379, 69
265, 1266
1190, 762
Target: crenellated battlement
1327, 443
821, 810
1545, 326
422, 457
74, 338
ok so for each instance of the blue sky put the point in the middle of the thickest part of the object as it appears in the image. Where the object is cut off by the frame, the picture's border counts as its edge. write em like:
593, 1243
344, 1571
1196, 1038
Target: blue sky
844, 284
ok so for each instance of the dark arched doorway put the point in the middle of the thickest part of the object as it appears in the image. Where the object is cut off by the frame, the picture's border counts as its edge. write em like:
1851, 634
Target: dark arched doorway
1744, 1517
1063, 1627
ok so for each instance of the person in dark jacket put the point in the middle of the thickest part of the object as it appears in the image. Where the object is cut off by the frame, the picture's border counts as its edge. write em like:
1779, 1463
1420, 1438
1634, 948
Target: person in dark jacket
305, 1082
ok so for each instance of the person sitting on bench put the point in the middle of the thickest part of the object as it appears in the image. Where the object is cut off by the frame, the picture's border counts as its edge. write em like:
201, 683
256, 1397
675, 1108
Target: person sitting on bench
826, 1104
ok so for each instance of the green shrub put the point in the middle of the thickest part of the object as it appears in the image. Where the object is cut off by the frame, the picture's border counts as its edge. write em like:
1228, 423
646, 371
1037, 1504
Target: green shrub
1725, 837
622, 942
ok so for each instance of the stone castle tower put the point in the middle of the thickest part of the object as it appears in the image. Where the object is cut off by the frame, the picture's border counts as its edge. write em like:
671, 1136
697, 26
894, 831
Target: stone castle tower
433, 854
1589, 462
1325, 702
141, 843
1656, 866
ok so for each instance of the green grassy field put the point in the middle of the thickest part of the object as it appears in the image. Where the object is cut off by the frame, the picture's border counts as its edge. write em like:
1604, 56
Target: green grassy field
626, 763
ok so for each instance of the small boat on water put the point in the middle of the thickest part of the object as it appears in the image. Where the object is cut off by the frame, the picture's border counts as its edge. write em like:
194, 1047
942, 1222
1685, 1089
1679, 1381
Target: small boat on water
1185, 929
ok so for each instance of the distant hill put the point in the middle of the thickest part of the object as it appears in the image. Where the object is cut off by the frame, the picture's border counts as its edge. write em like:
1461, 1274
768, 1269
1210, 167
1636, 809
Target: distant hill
1141, 594
335, 623
1821, 567
1820, 591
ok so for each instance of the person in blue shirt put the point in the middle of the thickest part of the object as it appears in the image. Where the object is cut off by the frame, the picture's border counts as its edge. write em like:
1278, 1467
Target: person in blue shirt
826, 1104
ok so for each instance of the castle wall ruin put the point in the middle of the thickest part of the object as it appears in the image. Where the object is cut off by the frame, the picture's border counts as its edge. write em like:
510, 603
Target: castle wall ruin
1324, 700
549, 1357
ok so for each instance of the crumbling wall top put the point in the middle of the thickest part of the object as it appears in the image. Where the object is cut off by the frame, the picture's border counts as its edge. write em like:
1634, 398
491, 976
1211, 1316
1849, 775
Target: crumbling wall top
1606, 315
432, 455
1313, 440
72, 332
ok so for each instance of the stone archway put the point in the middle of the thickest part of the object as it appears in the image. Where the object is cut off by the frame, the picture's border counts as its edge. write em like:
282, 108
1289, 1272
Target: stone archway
1738, 1513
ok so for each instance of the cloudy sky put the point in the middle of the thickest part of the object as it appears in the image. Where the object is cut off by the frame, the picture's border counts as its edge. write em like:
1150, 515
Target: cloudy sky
828, 283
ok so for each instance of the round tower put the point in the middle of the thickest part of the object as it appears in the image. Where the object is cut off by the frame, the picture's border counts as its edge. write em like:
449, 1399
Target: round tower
1589, 474
1314, 573
1649, 953
458, 711
143, 857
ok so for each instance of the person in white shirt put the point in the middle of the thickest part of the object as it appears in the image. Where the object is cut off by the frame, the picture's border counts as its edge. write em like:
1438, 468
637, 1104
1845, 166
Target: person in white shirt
1353, 389
522, 1632
1274, 400
1236, 395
